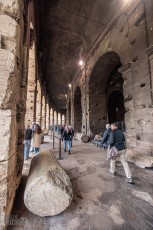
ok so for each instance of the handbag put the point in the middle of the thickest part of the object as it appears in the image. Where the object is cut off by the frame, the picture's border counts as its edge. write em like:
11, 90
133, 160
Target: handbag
112, 152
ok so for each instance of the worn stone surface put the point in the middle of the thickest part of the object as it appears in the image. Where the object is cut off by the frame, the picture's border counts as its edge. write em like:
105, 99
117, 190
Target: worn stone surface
100, 201
48, 190
12, 107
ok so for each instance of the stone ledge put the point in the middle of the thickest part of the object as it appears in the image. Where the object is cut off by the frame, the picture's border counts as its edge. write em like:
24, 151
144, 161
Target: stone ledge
139, 160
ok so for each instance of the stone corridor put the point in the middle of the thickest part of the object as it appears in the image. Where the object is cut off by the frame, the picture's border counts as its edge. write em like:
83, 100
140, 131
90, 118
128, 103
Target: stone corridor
84, 63
101, 202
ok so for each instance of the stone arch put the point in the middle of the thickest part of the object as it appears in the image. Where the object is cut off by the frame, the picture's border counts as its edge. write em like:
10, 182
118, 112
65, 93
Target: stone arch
77, 110
104, 80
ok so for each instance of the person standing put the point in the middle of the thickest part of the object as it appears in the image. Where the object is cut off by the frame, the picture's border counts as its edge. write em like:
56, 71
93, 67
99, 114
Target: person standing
117, 139
67, 137
27, 142
37, 139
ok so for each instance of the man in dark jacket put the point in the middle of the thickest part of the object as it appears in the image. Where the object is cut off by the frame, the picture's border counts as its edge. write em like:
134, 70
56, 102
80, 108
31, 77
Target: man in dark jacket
27, 142
117, 139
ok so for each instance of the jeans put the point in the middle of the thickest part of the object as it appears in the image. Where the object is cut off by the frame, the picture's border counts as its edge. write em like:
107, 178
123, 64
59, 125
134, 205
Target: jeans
27, 144
121, 156
67, 143
36, 150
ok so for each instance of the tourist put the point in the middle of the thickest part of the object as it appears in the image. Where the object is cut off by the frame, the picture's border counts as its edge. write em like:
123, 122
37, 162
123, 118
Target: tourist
117, 139
67, 137
106, 136
37, 139
27, 142
72, 132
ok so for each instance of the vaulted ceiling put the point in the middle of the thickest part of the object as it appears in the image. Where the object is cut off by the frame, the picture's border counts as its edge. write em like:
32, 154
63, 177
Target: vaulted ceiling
68, 29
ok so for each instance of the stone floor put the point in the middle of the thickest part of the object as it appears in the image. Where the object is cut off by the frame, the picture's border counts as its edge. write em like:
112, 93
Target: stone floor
101, 202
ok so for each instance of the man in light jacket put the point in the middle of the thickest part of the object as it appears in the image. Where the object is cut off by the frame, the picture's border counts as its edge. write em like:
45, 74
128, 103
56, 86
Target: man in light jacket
117, 139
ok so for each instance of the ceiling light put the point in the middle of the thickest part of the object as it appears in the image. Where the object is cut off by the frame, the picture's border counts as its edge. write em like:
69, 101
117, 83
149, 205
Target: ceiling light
80, 62
70, 86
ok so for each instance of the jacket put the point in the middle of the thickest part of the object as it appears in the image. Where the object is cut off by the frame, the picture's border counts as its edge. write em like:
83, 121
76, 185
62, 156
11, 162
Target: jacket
67, 136
106, 137
117, 139
28, 134
36, 140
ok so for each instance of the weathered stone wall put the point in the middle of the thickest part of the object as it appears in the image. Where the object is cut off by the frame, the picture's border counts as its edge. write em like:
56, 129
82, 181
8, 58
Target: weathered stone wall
12, 101
130, 35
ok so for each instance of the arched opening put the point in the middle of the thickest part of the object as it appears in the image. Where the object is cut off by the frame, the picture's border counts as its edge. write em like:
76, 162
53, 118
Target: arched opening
63, 119
59, 119
77, 110
106, 93
116, 109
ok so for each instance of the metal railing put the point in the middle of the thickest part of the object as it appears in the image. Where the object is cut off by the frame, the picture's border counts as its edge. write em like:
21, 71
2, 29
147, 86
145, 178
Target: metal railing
53, 137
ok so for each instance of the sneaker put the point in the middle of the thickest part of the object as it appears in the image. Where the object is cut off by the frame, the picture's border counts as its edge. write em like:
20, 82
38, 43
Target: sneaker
69, 152
129, 180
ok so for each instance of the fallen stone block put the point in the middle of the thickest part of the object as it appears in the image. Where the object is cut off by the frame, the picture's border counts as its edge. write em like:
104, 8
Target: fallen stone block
48, 190
85, 139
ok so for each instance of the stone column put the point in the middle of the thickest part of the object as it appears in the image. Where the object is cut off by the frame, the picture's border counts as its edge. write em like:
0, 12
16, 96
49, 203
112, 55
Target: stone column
13, 88
57, 117
45, 114
30, 103
61, 118
48, 190
53, 122
129, 107
49, 117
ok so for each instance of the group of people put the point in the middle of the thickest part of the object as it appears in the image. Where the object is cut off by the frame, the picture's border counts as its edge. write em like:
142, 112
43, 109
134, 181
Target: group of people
114, 137
32, 139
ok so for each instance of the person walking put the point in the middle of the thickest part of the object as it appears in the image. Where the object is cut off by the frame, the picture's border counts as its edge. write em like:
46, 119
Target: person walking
72, 132
106, 136
117, 139
37, 139
27, 142
67, 137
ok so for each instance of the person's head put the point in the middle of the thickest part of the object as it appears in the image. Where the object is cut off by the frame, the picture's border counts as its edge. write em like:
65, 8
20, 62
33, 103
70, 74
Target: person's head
114, 126
37, 130
108, 126
28, 127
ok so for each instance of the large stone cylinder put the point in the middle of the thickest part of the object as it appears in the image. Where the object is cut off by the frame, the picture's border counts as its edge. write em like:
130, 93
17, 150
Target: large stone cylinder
48, 190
